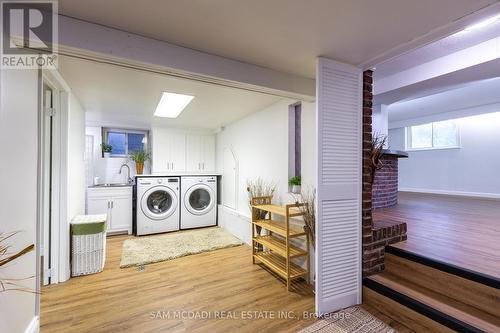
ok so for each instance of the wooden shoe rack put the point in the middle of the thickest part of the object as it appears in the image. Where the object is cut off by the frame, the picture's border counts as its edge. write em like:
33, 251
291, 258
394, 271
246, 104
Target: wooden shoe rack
274, 249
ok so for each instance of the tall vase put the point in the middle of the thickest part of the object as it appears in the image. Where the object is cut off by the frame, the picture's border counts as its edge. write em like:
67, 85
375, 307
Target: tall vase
139, 167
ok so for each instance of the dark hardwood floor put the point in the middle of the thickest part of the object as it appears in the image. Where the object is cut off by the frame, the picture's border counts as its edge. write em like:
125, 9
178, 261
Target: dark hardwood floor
462, 231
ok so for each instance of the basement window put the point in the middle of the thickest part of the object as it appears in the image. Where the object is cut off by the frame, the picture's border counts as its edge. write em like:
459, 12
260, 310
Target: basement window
124, 141
436, 135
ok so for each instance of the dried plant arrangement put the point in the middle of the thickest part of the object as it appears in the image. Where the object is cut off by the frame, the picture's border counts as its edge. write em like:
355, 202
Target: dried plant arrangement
6, 257
377, 147
309, 198
264, 190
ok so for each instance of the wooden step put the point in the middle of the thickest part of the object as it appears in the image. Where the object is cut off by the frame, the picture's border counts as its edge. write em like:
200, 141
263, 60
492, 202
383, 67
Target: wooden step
278, 246
442, 309
279, 228
461, 285
278, 264
401, 314
280, 210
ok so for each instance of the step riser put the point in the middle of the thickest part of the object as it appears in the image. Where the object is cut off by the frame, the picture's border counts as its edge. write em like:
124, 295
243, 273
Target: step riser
475, 294
406, 316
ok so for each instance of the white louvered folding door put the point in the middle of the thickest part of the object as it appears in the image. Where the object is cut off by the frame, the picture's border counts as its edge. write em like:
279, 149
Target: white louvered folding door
338, 226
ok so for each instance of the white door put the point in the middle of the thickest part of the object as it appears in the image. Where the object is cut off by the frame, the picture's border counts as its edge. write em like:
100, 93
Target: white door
160, 150
46, 179
178, 152
208, 153
193, 153
338, 227
121, 214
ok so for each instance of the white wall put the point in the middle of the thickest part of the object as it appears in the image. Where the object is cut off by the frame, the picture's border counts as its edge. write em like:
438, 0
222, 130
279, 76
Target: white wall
76, 150
469, 170
18, 198
260, 144
107, 168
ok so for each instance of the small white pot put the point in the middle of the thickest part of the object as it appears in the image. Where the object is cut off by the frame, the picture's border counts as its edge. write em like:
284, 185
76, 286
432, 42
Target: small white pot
296, 189
107, 155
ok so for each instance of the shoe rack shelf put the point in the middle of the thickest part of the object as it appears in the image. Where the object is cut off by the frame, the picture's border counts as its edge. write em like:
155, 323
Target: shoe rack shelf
274, 249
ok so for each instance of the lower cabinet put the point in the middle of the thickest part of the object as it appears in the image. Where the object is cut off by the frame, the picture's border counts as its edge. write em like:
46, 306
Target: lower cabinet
116, 202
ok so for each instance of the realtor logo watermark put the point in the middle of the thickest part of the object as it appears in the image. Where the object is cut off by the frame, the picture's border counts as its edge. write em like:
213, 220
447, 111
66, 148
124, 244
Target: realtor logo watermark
29, 34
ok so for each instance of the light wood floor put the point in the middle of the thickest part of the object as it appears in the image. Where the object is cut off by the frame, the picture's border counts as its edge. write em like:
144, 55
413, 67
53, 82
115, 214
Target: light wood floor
458, 230
125, 300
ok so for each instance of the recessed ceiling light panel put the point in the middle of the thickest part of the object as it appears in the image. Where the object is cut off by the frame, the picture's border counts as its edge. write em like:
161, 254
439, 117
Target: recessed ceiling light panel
171, 105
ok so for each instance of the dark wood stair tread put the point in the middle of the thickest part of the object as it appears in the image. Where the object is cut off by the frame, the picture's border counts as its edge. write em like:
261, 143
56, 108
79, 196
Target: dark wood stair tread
463, 312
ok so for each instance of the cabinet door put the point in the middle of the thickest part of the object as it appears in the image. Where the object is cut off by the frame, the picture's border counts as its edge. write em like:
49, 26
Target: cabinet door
208, 153
160, 150
178, 152
193, 153
121, 214
99, 205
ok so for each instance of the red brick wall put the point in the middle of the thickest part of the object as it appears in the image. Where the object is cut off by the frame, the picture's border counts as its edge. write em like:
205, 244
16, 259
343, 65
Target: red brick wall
381, 233
385, 186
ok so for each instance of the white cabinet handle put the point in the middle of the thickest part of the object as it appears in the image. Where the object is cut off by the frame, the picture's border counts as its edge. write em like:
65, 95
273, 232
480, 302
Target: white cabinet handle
112, 204
203, 165
172, 165
109, 206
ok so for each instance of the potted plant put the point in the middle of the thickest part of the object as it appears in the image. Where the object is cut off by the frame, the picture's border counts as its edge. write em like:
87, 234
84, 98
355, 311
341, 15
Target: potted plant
294, 182
139, 157
106, 150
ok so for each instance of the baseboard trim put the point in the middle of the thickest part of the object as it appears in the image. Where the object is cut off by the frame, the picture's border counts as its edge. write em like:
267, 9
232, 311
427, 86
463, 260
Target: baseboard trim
455, 193
485, 279
419, 307
34, 325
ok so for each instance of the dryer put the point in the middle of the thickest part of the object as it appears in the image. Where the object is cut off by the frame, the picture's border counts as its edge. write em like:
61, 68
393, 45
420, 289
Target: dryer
157, 205
199, 201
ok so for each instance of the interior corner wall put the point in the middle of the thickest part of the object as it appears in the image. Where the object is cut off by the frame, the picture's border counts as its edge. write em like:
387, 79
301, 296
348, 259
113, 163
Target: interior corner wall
18, 198
469, 170
76, 152
259, 143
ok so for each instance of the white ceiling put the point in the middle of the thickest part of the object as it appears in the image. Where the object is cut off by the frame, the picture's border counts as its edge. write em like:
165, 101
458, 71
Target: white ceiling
113, 95
476, 97
441, 48
285, 35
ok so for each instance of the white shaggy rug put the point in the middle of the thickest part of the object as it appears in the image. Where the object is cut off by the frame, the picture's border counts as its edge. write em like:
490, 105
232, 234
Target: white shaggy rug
146, 250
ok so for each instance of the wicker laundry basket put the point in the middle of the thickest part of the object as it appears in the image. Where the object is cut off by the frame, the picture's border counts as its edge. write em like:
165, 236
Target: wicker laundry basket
88, 244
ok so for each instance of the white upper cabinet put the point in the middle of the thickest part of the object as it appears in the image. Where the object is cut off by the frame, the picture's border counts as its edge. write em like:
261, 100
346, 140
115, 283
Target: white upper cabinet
175, 151
200, 153
208, 153
169, 151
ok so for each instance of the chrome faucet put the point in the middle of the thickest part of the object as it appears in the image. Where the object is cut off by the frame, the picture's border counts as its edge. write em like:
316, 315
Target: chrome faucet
129, 180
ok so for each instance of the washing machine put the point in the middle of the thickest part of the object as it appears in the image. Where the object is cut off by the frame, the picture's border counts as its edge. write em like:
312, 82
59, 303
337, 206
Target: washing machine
157, 205
198, 201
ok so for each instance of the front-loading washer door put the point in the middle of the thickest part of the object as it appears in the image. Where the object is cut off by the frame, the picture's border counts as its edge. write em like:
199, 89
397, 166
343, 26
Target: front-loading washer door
199, 199
159, 202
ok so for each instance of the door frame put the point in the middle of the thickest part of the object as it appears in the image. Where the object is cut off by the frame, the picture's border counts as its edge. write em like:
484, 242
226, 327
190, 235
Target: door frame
59, 245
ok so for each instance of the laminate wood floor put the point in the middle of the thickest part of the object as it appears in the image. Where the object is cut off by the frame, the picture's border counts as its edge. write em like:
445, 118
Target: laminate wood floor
462, 231
222, 284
